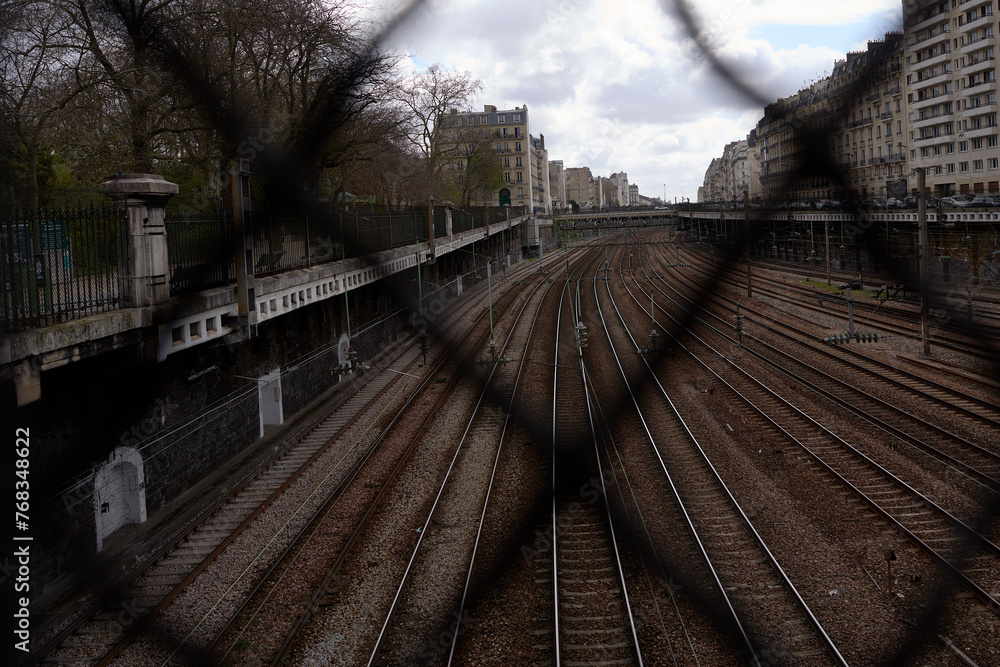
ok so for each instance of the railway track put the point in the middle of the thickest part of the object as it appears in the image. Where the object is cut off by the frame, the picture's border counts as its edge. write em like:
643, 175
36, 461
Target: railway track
368, 493
958, 547
745, 573
432, 590
592, 617
978, 333
97, 635
913, 428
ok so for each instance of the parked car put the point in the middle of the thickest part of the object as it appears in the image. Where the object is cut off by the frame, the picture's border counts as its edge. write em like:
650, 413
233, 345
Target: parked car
984, 201
827, 203
957, 201
892, 202
848, 204
873, 202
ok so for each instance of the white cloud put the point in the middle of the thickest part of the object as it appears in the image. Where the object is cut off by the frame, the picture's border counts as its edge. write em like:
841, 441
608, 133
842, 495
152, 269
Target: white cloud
621, 86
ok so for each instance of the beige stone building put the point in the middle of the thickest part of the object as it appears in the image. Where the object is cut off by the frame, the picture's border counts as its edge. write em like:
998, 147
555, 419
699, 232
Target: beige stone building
859, 111
522, 158
580, 187
557, 185
868, 141
951, 89
540, 201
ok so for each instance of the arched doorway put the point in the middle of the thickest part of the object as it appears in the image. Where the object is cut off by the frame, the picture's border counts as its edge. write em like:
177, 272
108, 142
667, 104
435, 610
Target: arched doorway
119, 493
505, 196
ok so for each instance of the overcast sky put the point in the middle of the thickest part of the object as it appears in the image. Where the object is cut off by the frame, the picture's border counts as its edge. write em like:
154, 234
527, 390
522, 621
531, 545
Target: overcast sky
617, 85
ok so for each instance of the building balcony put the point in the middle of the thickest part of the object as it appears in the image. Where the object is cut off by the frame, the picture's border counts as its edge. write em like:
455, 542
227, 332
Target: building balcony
928, 81
931, 40
931, 100
985, 131
930, 121
978, 43
975, 86
932, 141
981, 65
927, 23
933, 60
980, 109
974, 24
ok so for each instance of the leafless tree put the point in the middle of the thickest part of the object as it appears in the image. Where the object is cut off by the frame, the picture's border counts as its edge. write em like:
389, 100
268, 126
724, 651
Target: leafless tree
426, 99
41, 73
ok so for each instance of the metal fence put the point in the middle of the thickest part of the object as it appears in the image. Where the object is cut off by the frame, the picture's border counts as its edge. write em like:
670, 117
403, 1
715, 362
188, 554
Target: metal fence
200, 245
199, 249
61, 264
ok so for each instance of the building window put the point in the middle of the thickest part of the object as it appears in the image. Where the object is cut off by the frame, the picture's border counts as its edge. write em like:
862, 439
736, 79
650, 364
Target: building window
482, 120
517, 118
517, 146
501, 118
977, 144
520, 178
506, 162
517, 131
951, 168
506, 177
994, 163
963, 146
963, 167
518, 159
977, 165
949, 148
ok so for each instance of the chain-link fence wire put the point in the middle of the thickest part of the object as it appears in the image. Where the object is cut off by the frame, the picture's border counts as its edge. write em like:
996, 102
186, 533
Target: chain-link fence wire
289, 164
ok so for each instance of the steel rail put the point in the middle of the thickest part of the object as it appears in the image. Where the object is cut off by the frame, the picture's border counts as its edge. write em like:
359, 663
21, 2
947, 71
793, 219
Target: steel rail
772, 560
447, 477
290, 443
952, 569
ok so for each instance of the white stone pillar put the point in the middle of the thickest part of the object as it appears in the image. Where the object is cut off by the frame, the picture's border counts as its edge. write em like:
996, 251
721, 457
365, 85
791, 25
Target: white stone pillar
147, 271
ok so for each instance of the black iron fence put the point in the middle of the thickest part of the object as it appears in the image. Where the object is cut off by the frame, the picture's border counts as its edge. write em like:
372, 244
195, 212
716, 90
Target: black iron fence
61, 264
284, 243
199, 249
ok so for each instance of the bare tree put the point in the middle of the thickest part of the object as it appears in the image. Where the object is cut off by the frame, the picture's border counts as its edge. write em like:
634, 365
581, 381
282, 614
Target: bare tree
42, 72
426, 99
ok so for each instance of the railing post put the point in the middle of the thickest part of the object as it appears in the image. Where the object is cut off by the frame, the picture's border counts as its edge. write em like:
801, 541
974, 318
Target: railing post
243, 246
146, 276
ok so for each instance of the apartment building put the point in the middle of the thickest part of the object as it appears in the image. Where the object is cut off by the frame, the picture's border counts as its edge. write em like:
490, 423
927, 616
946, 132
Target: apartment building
783, 144
951, 89
539, 177
620, 198
580, 187
506, 132
557, 185
859, 111
868, 140
633, 194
